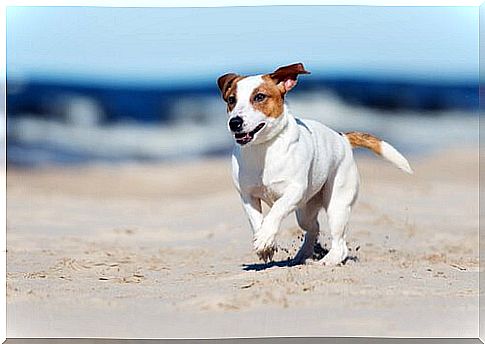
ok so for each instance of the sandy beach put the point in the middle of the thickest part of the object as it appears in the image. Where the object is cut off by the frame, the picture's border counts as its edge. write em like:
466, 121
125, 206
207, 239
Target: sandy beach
164, 251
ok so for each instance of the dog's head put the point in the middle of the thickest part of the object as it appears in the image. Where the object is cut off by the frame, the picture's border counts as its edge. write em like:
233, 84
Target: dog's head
256, 103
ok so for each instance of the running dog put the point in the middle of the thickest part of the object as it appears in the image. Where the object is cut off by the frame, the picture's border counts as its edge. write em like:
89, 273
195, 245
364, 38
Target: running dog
292, 164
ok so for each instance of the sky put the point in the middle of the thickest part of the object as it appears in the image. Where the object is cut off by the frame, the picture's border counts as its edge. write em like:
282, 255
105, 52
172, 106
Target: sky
180, 45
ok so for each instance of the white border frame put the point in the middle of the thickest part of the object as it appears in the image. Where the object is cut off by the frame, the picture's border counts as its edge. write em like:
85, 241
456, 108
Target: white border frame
155, 3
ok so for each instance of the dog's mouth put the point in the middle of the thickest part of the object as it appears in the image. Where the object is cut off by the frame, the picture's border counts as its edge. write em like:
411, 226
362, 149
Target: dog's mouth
243, 138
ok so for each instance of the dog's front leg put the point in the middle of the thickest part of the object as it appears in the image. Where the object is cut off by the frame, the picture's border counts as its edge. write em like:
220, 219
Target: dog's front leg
264, 239
252, 207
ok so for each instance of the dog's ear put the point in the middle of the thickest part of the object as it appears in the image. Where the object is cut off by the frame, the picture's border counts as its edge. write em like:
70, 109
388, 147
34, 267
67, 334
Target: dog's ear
225, 81
285, 77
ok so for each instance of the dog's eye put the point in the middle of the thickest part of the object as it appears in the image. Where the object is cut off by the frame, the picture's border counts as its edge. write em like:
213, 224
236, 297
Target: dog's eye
231, 100
259, 97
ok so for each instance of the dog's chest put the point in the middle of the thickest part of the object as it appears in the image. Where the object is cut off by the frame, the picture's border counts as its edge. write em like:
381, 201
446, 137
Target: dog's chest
268, 191
262, 180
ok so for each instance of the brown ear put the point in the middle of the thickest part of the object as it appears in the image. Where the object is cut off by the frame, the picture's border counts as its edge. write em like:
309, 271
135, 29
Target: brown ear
225, 81
287, 75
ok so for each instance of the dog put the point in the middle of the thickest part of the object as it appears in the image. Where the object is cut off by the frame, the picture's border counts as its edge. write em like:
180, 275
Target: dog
292, 164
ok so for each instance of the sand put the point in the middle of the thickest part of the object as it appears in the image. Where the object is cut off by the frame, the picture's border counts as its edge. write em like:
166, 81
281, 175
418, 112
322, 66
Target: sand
164, 251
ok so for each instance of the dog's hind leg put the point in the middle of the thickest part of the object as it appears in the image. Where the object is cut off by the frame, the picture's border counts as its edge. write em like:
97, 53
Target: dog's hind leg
307, 217
340, 198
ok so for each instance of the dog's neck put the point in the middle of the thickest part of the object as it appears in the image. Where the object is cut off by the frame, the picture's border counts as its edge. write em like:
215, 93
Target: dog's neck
284, 130
279, 125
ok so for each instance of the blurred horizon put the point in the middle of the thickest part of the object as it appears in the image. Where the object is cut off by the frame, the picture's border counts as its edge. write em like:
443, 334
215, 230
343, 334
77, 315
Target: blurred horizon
139, 84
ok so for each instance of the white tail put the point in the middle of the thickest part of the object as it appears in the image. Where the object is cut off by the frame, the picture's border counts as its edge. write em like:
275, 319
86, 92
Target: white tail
379, 147
390, 153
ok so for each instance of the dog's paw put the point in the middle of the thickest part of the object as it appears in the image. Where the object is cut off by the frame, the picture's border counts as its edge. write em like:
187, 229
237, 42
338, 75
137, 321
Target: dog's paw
334, 257
265, 246
266, 254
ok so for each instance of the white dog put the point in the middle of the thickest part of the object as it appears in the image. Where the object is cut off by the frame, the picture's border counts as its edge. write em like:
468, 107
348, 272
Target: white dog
292, 164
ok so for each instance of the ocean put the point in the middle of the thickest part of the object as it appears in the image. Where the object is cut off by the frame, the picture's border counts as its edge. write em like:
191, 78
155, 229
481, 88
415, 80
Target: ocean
66, 124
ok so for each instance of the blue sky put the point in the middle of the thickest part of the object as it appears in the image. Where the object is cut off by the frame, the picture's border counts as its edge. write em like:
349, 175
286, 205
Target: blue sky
167, 45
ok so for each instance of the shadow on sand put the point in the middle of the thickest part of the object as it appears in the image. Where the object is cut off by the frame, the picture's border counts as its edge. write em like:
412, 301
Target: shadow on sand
264, 266
318, 253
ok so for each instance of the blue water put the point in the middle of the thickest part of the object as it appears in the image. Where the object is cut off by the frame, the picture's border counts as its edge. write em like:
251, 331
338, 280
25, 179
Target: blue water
64, 123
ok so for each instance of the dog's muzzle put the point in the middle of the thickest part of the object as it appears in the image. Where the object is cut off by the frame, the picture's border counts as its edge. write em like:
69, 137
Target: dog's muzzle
244, 138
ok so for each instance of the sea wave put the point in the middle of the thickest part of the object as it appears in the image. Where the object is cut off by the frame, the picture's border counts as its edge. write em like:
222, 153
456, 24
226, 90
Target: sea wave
201, 130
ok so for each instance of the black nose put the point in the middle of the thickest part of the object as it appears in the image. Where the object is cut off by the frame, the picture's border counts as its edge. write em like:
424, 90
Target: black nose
236, 123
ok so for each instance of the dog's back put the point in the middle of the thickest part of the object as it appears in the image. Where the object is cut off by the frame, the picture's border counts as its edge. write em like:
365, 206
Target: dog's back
293, 164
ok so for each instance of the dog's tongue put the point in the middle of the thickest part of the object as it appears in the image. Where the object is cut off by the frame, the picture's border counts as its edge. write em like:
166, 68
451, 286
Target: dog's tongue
240, 135
242, 138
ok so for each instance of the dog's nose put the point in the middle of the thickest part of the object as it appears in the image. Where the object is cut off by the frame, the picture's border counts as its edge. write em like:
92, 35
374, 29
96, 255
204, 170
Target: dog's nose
236, 123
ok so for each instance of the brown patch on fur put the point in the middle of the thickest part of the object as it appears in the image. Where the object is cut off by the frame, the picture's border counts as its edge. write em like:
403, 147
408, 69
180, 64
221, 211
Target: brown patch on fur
272, 105
228, 86
287, 73
274, 87
365, 140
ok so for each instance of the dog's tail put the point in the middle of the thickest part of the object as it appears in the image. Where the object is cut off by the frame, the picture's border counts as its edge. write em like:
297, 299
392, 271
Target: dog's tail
379, 147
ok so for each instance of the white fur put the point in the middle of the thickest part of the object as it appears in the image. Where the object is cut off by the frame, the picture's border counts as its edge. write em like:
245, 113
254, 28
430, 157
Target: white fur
390, 153
296, 165
243, 106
